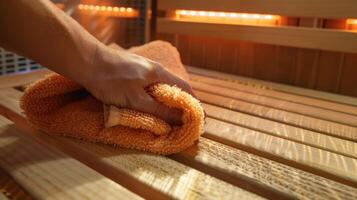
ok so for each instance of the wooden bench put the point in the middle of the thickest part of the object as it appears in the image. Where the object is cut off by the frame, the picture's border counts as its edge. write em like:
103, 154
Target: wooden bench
262, 140
252, 148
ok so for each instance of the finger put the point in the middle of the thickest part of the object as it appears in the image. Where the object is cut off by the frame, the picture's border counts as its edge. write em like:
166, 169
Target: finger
115, 46
145, 103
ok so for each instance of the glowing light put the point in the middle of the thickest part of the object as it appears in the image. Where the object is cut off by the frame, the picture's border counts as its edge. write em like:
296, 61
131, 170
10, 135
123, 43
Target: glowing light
222, 14
193, 13
245, 16
183, 12
212, 14
352, 21
124, 11
268, 17
201, 13
256, 16
233, 15
228, 17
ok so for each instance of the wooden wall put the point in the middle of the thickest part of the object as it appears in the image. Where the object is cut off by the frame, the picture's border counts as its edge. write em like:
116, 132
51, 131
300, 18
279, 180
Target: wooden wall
316, 69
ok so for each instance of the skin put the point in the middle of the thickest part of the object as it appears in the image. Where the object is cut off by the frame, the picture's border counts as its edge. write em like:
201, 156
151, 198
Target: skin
39, 30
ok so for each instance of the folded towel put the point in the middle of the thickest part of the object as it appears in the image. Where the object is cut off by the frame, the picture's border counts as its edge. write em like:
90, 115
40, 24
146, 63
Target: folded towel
60, 106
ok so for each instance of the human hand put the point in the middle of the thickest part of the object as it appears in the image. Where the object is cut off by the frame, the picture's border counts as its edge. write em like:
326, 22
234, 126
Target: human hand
119, 78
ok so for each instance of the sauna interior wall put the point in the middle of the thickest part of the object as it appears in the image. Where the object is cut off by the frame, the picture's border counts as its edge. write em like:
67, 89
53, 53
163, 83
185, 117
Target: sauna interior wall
328, 71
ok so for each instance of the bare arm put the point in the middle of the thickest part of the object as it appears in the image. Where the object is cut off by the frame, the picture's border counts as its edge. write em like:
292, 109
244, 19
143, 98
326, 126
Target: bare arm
39, 30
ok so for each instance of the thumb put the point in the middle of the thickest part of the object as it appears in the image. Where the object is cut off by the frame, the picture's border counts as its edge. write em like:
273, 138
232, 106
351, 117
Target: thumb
145, 103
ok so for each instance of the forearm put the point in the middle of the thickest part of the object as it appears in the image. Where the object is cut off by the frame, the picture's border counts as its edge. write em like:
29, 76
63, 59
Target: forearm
39, 30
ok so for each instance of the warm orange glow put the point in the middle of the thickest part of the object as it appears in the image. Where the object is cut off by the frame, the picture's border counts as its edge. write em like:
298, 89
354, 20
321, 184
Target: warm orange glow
227, 17
351, 24
352, 21
109, 10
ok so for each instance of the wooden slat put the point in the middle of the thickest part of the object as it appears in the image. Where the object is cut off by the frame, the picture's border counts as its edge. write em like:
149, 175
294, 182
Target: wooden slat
329, 143
48, 174
283, 117
310, 38
318, 161
232, 165
311, 8
208, 94
22, 79
284, 101
151, 176
286, 92
320, 113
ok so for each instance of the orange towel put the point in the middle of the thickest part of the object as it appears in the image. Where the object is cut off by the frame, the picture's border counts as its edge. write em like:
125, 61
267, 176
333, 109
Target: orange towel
60, 106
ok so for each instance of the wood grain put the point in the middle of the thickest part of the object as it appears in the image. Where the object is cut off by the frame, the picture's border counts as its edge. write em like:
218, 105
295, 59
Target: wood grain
303, 37
315, 160
265, 91
314, 8
292, 93
208, 94
247, 167
47, 173
243, 171
231, 164
149, 175
329, 143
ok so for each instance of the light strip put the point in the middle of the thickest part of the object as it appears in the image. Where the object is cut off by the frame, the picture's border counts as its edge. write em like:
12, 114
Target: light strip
112, 10
227, 17
352, 21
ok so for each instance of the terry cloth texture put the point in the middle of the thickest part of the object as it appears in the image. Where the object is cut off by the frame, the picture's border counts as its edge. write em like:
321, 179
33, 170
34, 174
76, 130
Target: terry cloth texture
60, 106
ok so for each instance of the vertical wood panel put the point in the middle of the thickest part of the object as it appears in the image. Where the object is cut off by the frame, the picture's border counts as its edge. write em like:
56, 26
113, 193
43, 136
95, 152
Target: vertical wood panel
197, 52
306, 60
245, 59
183, 46
305, 68
285, 68
327, 69
228, 57
265, 57
348, 82
212, 53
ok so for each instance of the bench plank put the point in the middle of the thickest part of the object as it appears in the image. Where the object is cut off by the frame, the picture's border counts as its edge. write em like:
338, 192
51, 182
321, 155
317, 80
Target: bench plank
107, 156
235, 163
276, 90
143, 173
54, 174
318, 140
316, 112
14, 80
331, 165
281, 116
